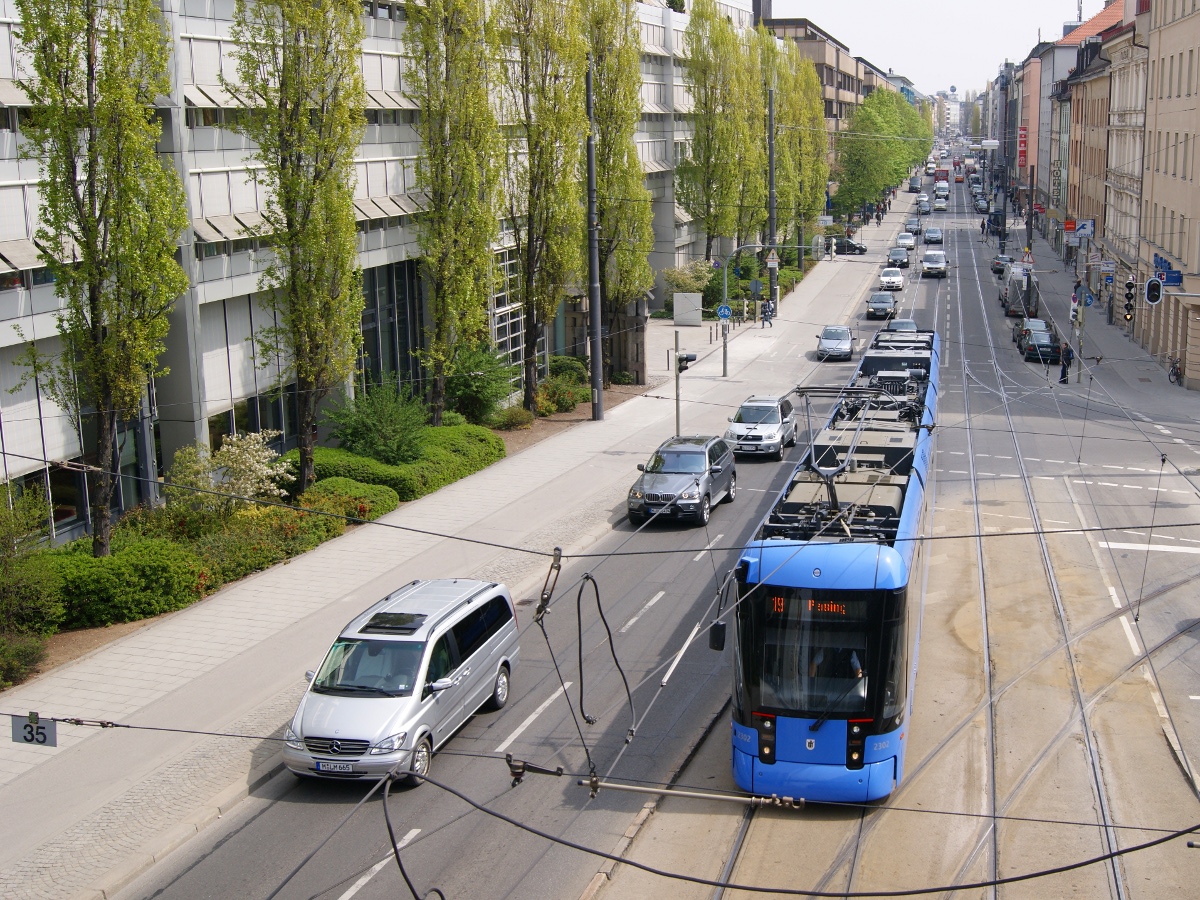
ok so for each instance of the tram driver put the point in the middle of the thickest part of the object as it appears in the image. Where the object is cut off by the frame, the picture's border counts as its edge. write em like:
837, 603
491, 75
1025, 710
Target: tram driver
835, 663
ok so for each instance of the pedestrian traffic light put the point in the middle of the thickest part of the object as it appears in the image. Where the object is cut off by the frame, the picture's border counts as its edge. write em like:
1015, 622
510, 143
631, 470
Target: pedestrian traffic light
1153, 291
682, 360
1129, 286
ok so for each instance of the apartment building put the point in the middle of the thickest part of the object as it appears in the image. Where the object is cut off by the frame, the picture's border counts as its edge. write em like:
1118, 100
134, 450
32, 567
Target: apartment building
1087, 151
1123, 171
846, 80
1170, 204
217, 385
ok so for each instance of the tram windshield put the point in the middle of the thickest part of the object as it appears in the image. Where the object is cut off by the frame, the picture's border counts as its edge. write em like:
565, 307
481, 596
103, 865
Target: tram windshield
808, 652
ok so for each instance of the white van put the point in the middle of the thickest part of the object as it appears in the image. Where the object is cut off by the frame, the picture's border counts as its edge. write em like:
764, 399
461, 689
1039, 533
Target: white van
402, 678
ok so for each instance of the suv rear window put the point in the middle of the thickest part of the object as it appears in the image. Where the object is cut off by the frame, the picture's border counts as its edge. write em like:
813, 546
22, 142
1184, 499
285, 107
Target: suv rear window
478, 626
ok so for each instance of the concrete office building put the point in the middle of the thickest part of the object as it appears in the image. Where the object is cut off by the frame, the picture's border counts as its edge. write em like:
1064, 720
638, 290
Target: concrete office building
216, 384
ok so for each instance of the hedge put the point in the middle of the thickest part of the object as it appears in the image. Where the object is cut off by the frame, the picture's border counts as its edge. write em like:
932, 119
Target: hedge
447, 454
353, 498
19, 655
144, 579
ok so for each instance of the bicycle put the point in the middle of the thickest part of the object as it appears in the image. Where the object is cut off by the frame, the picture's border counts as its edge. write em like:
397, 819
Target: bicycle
1174, 374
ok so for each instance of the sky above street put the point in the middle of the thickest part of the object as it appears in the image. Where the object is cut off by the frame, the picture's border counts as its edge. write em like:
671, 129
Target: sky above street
962, 43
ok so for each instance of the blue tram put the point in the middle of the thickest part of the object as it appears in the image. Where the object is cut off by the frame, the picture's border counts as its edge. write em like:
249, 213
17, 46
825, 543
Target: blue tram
822, 672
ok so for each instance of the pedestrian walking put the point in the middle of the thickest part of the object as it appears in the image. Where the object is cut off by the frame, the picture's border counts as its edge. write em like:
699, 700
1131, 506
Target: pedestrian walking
768, 313
1066, 357
983, 226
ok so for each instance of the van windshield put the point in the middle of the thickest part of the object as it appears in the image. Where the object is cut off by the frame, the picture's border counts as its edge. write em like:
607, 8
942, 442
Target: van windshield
379, 668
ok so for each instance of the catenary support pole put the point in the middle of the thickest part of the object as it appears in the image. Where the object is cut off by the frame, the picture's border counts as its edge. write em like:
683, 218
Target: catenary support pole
597, 349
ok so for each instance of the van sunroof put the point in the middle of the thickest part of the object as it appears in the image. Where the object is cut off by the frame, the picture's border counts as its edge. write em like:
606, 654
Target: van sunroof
393, 623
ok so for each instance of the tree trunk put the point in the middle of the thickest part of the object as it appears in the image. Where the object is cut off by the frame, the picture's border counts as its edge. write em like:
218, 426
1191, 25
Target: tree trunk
106, 428
306, 400
437, 393
529, 360
708, 245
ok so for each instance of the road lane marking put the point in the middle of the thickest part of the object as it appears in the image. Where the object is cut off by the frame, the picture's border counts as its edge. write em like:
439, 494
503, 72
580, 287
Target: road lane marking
1108, 484
1056, 521
959, 472
991, 474
1160, 547
1059, 461
699, 556
641, 612
371, 872
1112, 592
529, 721
1106, 466
1133, 644
679, 657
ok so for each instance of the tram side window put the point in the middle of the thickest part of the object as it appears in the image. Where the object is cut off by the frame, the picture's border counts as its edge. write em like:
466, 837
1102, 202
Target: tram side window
895, 688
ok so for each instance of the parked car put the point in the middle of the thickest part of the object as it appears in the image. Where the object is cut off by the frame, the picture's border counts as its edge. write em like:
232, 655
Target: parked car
1025, 327
845, 245
1042, 346
891, 280
684, 478
900, 325
940, 204
897, 257
933, 236
999, 261
402, 678
881, 305
933, 264
836, 341
763, 425
906, 241
913, 225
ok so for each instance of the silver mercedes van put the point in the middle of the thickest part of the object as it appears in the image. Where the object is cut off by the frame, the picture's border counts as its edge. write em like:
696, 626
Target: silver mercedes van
402, 678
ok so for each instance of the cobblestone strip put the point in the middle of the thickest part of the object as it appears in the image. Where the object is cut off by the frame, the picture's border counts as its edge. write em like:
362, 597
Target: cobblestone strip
83, 853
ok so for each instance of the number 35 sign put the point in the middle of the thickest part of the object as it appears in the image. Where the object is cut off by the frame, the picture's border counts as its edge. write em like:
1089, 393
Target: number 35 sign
35, 731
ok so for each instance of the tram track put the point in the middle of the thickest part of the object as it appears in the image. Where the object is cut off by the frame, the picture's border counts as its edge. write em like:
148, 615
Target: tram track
1079, 703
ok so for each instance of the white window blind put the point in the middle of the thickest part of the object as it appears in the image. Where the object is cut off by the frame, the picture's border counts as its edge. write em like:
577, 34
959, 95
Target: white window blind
6, 52
391, 73
215, 353
242, 191
372, 64
206, 62
241, 348
214, 192
360, 181
13, 225
377, 179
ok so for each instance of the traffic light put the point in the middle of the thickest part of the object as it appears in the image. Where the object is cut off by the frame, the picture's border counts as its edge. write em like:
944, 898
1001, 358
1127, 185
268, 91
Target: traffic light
1153, 291
1128, 312
682, 360
1129, 286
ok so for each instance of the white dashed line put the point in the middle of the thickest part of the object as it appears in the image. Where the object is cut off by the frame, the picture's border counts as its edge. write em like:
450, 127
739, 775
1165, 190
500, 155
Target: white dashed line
1135, 469
1159, 547
374, 870
533, 716
1132, 487
1003, 457
1056, 521
1133, 644
1108, 484
1112, 592
699, 556
641, 612
1044, 478
1135, 533
1106, 466
1031, 459
991, 474
1059, 461
959, 472
957, 453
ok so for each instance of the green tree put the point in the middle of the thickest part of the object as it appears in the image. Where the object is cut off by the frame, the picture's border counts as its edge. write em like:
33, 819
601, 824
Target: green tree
623, 203
814, 141
542, 98
887, 137
383, 421
112, 210
298, 67
706, 179
449, 76
750, 137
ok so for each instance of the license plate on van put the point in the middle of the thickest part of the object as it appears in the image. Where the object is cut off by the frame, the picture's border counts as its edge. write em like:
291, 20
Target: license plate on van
335, 767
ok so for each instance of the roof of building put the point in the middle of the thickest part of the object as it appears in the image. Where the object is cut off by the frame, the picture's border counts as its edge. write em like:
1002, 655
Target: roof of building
1101, 21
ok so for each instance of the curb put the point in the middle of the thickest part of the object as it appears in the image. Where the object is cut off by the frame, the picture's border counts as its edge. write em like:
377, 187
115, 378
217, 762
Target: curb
149, 854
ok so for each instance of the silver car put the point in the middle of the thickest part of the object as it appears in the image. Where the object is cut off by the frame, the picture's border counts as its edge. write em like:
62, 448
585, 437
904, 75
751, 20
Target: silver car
836, 341
402, 678
763, 425
684, 478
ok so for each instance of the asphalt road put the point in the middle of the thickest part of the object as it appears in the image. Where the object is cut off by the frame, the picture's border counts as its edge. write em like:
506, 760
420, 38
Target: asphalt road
1042, 734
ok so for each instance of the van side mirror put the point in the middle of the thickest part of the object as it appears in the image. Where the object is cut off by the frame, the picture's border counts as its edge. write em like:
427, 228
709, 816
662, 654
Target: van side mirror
442, 684
715, 469
309, 676
641, 467
716, 636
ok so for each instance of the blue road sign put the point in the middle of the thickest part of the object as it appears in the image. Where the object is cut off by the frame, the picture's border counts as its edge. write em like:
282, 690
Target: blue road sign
1088, 299
1174, 277
724, 311
1108, 279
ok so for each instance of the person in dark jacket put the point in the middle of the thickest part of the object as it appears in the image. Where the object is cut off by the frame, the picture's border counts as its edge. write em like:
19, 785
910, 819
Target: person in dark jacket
1066, 357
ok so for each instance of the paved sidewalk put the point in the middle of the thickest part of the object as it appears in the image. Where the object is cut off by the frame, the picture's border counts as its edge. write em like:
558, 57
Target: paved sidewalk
83, 819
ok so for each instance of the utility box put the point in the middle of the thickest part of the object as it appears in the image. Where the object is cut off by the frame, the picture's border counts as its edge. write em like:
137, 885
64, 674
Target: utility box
687, 309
